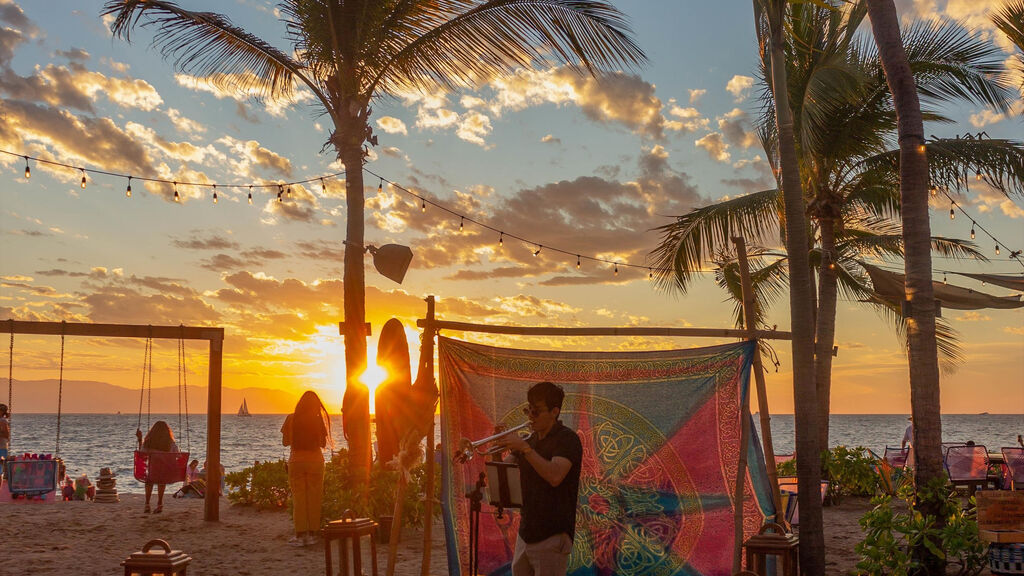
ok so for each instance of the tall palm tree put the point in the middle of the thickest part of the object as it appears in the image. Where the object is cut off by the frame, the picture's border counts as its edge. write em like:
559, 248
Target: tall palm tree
844, 125
351, 52
769, 23
923, 351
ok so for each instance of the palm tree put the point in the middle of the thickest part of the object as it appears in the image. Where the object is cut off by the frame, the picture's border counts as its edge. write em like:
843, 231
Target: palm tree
769, 21
1010, 19
923, 351
351, 52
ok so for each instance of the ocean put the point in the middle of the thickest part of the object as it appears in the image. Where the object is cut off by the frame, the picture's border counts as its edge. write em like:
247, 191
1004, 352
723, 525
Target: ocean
89, 442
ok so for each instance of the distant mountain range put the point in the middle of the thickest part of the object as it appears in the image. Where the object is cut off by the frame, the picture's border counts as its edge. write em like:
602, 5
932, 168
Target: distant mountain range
84, 396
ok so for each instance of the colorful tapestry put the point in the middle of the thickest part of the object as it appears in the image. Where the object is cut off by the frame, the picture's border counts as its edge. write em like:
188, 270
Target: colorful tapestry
661, 436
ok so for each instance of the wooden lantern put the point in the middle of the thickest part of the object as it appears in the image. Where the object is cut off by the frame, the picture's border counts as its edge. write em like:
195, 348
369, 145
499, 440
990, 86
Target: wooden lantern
349, 533
776, 543
163, 562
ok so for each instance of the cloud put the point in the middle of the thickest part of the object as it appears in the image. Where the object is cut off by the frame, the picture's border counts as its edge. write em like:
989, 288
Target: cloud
549, 139
696, 95
739, 86
690, 120
715, 146
216, 85
249, 154
973, 316
473, 127
210, 242
184, 124
392, 125
734, 126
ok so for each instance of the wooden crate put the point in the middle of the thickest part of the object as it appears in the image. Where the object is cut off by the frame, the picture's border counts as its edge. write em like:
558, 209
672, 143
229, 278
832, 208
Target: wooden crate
1000, 510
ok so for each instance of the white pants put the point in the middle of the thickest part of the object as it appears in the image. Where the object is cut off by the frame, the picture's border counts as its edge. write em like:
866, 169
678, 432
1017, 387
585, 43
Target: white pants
548, 557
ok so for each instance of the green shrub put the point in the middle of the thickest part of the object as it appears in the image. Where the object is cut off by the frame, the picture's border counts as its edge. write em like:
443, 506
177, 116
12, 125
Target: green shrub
890, 536
850, 471
266, 486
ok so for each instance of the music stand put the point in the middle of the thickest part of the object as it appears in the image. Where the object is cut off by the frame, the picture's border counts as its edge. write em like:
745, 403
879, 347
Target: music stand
506, 490
475, 497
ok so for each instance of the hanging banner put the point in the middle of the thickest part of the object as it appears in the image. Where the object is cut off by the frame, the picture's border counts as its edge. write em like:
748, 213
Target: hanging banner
661, 444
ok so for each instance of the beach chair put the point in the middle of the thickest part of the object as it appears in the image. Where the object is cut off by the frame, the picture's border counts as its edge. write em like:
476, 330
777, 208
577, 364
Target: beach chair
792, 511
967, 466
160, 467
1013, 467
896, 456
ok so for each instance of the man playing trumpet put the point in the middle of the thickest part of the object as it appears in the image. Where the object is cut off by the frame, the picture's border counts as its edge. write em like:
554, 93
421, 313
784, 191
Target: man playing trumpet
549, 467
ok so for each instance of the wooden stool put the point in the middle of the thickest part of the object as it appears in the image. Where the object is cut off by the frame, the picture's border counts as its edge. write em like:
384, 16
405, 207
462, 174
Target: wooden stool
350, 530
776, 543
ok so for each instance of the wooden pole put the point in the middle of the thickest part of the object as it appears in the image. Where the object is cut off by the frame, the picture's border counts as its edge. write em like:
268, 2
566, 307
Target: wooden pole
605, 331
741, 476
427, 363
758, 369
211, 502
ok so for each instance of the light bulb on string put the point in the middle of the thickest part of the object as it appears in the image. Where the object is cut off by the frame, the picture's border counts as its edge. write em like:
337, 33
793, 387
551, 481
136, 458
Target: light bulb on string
972, 229
83, 179
952, 212
177, 197
214, 193
28, 171
288, 192
934, 190
997, 249
577, 261
616, 268
380, 186
650, 274
323, 185
250, 195
423, 205
462, 220
501, 239
978, 176
943, 277
128, 190
280, 193
539, 248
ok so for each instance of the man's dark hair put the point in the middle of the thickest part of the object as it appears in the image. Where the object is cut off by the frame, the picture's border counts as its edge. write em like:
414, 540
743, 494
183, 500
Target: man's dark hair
551, 394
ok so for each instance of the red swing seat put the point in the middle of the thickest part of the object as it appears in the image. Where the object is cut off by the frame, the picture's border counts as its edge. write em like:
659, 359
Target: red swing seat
160, 467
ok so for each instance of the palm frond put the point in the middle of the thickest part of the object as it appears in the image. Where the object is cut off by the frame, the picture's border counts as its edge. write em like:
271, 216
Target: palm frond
951, 354
1010, 21
694, 238
481, 40
769, 282
208, 45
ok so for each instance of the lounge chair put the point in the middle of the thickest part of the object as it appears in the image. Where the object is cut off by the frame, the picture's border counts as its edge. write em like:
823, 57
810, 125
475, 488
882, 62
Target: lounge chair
896, 457
1013, 467
791, 510
967, 466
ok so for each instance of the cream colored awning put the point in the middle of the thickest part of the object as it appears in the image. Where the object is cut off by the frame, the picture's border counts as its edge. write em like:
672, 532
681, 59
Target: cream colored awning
889, 286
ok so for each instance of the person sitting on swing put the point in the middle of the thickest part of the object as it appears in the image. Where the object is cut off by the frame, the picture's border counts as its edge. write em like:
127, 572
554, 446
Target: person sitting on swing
158, 439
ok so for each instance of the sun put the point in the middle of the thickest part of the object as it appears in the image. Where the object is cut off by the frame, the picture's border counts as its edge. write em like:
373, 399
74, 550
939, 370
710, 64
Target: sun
372, 377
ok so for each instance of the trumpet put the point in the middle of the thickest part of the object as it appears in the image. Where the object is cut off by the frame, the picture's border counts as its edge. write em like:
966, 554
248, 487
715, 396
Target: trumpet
468, 449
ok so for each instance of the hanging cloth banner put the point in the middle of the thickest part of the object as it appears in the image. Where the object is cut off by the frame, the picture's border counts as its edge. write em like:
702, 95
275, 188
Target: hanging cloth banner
661, 434
889, 287
1004, 280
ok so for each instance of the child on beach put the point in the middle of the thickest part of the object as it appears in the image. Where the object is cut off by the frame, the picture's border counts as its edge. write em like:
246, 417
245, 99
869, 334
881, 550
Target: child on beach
158, 439
68, 491
84, 490
307, 431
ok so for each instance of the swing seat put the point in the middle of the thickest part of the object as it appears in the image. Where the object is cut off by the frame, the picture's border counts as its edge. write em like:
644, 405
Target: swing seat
31, 477
160, 467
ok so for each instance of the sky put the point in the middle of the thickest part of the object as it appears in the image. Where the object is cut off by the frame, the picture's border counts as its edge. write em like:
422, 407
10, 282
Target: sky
559, 159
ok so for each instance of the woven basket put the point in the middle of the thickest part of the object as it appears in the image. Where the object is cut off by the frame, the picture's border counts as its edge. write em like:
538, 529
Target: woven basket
1006, 559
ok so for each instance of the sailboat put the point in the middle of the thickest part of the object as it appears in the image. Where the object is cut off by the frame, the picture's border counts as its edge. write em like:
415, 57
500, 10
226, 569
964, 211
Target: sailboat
243, 410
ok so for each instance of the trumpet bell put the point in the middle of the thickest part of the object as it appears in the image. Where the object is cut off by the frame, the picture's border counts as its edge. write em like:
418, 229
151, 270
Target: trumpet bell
468, 449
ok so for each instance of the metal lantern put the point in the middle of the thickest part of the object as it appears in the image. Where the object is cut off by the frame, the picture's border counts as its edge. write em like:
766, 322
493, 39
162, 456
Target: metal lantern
349, 533
162, 562
773, 540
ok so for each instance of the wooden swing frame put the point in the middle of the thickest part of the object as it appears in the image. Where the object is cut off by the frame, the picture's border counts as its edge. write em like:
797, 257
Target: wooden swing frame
214, 335
432, 326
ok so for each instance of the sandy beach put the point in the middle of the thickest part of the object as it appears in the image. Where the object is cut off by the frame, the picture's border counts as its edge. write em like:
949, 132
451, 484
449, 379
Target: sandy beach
86, 538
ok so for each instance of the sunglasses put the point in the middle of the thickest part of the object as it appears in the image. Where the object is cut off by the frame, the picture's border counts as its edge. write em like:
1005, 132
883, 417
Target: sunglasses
533, 411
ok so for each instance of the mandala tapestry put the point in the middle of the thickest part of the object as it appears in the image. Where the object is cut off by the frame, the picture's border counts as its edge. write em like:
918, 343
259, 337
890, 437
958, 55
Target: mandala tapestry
661, 441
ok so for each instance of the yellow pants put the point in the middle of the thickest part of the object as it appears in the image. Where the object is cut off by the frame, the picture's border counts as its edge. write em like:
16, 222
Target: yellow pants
307, 482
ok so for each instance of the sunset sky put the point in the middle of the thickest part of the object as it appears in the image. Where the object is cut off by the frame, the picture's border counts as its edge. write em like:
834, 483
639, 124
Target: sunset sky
553, 157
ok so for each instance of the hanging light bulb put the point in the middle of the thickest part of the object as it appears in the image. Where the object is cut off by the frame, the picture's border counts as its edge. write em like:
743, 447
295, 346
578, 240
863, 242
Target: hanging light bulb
380, 186
214, 193
462, 220
921, 148
250, 195
128, 190
423, 206
650, 274
997, 249
501, 239
934, 190
323, 185
616, 268
83, 179
577, 261
943, 277
177, 198
28, 171
280, 193
978, 175
288, 192
952, 213
831, 265
539, 248
972, 229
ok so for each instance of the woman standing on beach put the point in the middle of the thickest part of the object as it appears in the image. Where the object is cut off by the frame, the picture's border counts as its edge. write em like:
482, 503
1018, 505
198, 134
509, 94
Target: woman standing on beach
158, 439
307, 431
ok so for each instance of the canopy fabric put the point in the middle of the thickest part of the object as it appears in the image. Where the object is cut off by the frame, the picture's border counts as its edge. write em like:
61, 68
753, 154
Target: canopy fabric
1004, 280
889, 286
661, 434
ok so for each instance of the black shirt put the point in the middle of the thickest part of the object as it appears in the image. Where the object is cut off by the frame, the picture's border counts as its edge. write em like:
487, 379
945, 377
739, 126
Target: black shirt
547, 509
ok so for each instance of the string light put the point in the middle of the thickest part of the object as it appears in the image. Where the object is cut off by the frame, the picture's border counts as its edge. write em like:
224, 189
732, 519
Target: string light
128, 190
537, 253
177, 198
921, 148
250, 195
616, 268
462, 220
28, 171
323, 185
214, 193
997, 249
423, 206
577, 261
934, 190
972, 229
978, 176
288, 192
943, 277
650, 274
952, 212
83, 178
380, 186
280, 192
501, 239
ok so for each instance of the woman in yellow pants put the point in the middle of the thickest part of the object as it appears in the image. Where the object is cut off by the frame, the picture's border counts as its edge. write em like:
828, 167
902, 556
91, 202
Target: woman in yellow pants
307, 431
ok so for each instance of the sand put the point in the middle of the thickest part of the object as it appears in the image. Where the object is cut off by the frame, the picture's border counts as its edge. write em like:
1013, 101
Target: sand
86, 538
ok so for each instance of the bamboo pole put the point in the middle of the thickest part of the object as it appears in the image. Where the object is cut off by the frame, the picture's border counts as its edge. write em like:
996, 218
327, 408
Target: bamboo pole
604, 331
211, 500
427, 363
758, 369
741, 476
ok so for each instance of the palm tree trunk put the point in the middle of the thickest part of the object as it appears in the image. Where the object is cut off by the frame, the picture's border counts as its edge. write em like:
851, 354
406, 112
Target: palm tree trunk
356, 404
825, 333
805, 396
923, 353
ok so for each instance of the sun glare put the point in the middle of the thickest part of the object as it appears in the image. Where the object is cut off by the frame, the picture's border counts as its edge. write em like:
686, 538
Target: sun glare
372, 377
